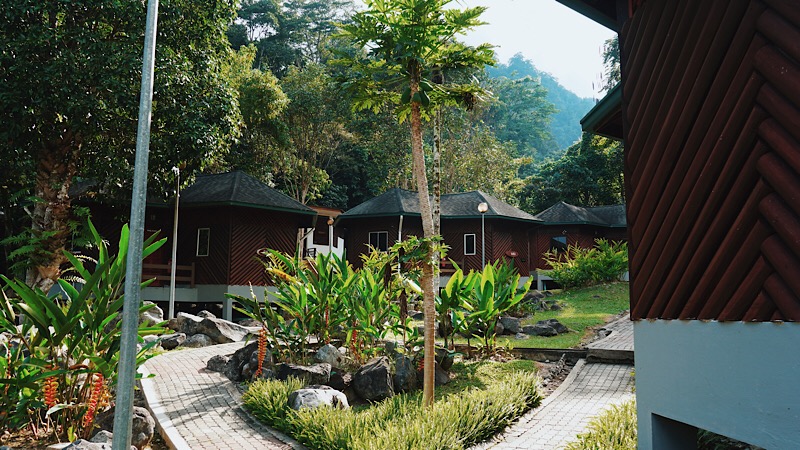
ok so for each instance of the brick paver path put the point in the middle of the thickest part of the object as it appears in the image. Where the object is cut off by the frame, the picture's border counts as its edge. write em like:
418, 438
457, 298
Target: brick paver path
564, 414
200, 409
621, 337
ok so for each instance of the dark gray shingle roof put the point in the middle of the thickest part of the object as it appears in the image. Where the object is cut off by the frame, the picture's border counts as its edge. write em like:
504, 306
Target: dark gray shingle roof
564, 213
395, 202
239, 189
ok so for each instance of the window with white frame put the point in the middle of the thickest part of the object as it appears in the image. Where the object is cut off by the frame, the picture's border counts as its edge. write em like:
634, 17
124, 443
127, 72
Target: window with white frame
203, 241
469, 244
379, 240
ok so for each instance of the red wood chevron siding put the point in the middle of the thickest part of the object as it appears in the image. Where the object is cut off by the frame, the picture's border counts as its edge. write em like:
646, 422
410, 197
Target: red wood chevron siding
501, 236
711, 105
211, 269
252, 230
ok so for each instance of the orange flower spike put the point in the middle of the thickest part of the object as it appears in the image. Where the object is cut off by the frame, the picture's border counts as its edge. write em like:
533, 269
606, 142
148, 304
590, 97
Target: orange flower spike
50, 392
97, 391
262, 350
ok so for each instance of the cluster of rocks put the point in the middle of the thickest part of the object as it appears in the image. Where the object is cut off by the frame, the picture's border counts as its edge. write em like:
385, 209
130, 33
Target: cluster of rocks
541, 301
142, 430
195, 331
328, 381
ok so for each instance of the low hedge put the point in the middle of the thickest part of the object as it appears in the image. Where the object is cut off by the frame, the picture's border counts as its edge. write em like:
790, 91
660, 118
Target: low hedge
401, 422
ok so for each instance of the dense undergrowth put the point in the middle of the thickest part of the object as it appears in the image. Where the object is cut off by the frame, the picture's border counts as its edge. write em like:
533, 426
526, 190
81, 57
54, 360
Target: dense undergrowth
484, 398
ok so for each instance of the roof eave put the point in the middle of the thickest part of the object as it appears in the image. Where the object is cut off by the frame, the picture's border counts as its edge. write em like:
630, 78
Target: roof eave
600, 11
605, 118
310, 211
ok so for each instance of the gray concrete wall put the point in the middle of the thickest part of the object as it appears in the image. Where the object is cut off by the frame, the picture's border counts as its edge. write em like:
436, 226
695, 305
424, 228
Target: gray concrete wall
737, 379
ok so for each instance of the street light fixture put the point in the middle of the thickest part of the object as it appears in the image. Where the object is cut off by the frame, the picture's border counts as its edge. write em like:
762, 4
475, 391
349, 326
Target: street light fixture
482, 208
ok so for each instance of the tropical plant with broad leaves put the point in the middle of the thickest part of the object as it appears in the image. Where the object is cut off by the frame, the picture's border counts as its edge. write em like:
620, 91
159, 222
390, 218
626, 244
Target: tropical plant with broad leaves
452, 304
59, 364
493, 295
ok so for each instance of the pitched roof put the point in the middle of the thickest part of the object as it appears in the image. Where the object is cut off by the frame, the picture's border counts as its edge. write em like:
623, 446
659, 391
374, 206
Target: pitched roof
239, 189
563, 213
395, 202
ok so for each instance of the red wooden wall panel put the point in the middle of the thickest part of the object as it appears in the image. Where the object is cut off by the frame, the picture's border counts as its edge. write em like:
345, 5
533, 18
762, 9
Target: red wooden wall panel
711, 105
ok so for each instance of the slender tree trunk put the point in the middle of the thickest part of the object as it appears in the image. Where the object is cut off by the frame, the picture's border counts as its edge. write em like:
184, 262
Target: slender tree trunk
437, 193
429, 308
54, 172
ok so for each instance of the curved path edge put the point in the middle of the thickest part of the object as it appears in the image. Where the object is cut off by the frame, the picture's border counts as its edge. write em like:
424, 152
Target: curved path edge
198, 409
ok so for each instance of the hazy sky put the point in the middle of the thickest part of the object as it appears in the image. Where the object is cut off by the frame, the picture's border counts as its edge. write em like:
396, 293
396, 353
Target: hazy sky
555, 38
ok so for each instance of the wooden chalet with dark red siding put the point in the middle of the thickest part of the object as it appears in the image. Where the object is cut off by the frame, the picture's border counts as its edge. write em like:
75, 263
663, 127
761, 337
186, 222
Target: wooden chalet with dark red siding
709, 110
394, 215
564, 225
224, 220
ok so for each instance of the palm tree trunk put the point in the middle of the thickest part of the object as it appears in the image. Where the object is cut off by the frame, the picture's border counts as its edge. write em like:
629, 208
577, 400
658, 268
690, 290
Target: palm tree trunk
50, 218
429, 308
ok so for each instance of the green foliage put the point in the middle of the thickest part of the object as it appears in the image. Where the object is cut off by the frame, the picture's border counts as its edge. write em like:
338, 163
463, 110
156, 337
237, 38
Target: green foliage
325, 298
452, 304
494, 293
458, 420
578, 267
71, 338
611, 63
615, 428
589, 174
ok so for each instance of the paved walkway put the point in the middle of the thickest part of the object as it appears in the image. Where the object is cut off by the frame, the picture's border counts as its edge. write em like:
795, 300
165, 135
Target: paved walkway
198, 409
620, 337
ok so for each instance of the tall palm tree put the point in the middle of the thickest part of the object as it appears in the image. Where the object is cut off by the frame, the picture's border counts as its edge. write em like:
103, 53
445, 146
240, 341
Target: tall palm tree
404, 41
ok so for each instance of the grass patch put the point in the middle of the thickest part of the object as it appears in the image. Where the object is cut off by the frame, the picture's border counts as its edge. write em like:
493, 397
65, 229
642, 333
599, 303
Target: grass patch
483, 399
614, 428
583, 308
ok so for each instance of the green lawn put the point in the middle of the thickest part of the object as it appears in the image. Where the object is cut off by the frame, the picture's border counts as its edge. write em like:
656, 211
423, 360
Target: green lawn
583, 309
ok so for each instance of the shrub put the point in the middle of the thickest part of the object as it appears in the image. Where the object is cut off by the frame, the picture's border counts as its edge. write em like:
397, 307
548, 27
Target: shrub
580, 267
59, 364
400, 422
494, 293
614, 428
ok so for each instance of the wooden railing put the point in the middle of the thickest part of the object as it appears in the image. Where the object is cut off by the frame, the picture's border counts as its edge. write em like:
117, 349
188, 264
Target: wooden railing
161, 273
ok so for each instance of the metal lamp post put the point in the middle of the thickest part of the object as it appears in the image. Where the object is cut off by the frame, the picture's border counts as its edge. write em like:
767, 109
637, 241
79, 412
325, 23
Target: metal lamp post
173, 269
482, 208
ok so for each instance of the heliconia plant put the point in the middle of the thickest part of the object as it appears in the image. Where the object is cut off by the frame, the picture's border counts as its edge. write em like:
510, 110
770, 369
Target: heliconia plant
61, 361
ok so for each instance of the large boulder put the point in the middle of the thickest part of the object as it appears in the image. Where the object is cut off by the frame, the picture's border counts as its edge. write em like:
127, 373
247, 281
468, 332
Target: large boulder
172, 341
328, 353
440, 376
251, 366
239, 363
198, 340
219, 330
153, 316
183, 322
317, 396
405, 374
555, 324
340, 380
143, 426
510, 324
316, 374
539, 329
444, 358
102, 437
373, 381
206, 314
218, 363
